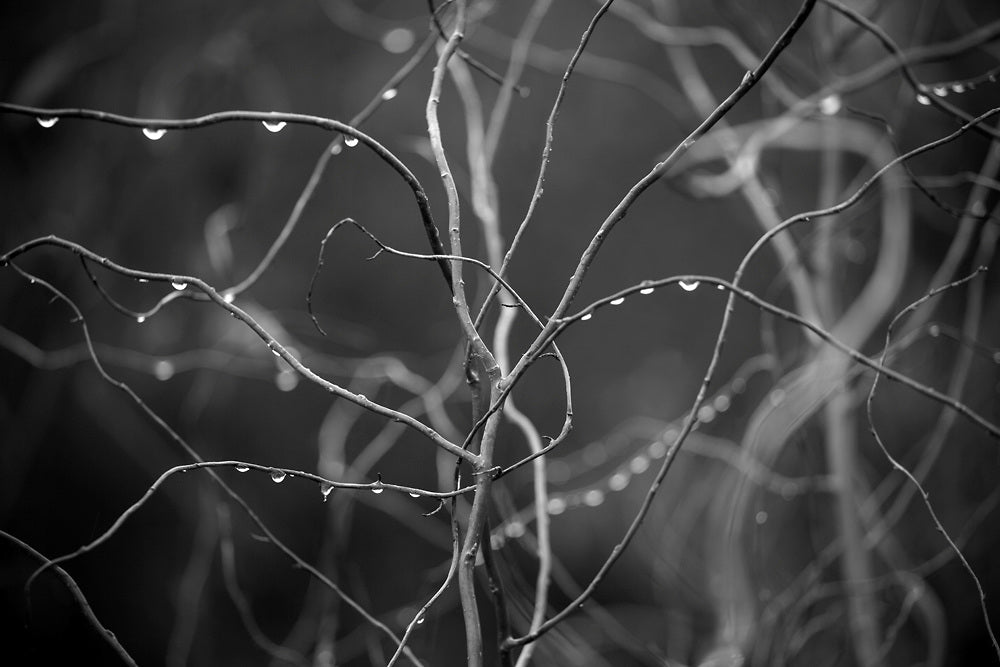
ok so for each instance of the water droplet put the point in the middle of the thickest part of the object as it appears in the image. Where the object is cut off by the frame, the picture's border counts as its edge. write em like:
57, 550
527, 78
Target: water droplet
777, 397
646, 290
286, 380
706, 414
514, 529
274, 351
377, 490
362, 398
390, 94
556, 506
593, 498
761, 518
638, 465
47, 122
830, 105
274, 126
658, 449
278, 476
721, 403
242, 468
154, 133
398, 40
940, 91
587, 317
934, 331
326, 489
163, 370
721, 288
689, 287
414, 495
619, 301
336, 149
421, 619
350, 142
619, 480
143, 280
738, 385
178, 286
923, 99
228, 297
140, 319
957, 88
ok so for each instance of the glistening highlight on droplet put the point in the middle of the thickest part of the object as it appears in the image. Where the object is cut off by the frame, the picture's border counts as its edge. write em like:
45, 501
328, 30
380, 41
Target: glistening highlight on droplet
689, 286
278, 476
350, 142
274, 126
154, 133
47, 122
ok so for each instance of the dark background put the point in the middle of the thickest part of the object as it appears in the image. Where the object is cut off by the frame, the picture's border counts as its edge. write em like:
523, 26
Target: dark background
76, 451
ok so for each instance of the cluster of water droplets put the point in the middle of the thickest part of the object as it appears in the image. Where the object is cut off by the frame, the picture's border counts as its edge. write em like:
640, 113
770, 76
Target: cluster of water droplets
957, 87
636, 464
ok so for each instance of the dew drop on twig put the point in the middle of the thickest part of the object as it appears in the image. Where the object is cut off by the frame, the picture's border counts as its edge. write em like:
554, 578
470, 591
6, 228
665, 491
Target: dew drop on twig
830, 105
154, 133
242, 468
556, 506
326, 489
286, 380
163, 370
658, 449
140, 319
47, 122
398, 40
586, 317
376, 490
593, 498
390, 94
639, 464
689, 287
923, 99
178, 286
619, 301
618, 481
940, 91
275, 126
647, 290
278, 476
228, 297
350, 142
514, 529
414, 495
